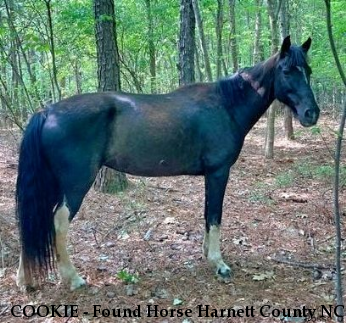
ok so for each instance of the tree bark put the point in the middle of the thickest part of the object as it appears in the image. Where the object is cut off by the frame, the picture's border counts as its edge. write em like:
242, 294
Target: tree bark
258, 50
78, 76
199, 72
203, 42
187, 45
336, 187
52, 48
219, 27
17, 42
285, 31
106, 45
270, 133
151, 45
107, 181
234, 46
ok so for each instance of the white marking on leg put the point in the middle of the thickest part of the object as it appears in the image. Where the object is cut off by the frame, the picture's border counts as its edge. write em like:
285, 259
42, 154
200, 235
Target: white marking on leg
214, 253
23, 279
20, 273
205, 245
66, 269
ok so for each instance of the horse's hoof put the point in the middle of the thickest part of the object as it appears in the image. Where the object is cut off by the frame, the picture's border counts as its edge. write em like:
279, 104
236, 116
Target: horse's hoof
78, 282
25, 285
29, 288
224, 274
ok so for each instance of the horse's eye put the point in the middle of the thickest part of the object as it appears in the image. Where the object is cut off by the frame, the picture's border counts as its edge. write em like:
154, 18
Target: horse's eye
286, 71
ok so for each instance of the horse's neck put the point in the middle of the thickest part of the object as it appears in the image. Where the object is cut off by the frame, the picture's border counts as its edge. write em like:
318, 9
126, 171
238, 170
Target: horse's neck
258, 94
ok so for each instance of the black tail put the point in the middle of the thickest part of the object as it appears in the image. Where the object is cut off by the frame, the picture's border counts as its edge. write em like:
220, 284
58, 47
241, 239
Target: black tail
37, 195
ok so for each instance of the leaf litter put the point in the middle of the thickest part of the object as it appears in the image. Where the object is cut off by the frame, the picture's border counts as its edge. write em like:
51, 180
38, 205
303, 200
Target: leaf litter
125, 233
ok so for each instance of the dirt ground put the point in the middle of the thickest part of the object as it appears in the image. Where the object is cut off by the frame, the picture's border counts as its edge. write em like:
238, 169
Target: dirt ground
277, 230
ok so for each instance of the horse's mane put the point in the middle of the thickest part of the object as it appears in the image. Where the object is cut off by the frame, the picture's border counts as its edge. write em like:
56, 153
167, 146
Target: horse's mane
232, 87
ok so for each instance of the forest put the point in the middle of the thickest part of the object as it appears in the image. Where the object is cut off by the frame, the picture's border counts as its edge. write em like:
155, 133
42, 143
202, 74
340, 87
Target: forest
48, 48
138, 244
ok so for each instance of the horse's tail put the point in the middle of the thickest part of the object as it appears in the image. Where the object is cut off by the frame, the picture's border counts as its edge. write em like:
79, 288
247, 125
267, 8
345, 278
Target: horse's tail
37, 195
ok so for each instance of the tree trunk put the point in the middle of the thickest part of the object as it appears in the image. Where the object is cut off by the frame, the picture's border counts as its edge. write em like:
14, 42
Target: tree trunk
52, 48
298, 28
106, 45
13, 61
336, 187
107, 181
199, 72
257, 48
270, 134
203, 42
234, 46
285, 31
15, 70
249, 26
151, 45
13, 54
78, 76
288, 123
219, 27
187, 45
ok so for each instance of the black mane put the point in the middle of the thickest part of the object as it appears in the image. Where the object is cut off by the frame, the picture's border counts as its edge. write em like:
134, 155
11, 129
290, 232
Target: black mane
261, 74
231, 89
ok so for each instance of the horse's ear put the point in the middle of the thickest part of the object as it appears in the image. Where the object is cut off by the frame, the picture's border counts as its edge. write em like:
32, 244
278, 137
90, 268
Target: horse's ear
285, 47
306, 45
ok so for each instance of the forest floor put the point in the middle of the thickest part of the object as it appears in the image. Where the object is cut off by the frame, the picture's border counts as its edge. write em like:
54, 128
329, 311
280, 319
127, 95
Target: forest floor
277, 225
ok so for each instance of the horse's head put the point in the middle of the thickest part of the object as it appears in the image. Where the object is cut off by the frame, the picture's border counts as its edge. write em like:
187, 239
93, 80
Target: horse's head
292, 82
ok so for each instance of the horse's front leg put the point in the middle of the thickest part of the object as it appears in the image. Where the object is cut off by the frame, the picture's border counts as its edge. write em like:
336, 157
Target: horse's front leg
215, 185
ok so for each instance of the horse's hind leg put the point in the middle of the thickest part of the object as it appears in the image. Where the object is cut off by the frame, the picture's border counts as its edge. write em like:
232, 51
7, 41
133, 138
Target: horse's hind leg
215, 189
23, 276
66, 269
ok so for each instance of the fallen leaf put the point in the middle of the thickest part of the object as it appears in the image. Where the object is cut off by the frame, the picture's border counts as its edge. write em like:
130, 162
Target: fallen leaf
177, 302
264, 276
2, 272
169, 220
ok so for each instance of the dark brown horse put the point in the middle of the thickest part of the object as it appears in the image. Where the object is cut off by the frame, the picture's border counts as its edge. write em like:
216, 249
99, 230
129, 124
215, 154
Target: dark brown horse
198, 129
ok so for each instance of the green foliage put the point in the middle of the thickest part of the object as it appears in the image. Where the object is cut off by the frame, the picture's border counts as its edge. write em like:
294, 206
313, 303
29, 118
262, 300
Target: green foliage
260, 197
304, 169
128, 278
315, 130
73, 25
301, 170
260, 194
324, 172
284, 179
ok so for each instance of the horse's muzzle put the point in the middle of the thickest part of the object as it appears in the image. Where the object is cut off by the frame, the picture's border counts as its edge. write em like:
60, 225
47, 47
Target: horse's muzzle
309, 117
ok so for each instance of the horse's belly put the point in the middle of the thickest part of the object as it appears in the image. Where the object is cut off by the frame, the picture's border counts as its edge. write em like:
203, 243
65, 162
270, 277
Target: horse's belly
154, 166
145, 147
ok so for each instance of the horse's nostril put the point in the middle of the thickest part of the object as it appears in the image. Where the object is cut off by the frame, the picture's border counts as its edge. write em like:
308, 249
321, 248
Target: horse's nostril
309, 114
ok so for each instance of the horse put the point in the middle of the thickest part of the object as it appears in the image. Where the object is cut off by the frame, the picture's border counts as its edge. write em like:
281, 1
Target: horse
198, 129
